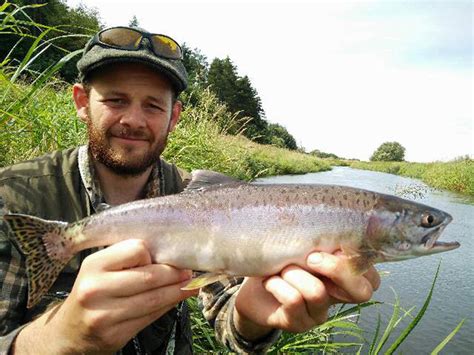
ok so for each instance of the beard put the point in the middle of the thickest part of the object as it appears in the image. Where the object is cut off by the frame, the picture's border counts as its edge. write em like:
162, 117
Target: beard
124, 161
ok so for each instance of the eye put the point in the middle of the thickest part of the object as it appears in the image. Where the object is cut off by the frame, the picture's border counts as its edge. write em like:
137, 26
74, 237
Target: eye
115, 102
155, 107
427, 220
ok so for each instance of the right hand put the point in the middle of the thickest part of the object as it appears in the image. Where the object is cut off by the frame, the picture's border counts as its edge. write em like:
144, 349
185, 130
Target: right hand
117, 293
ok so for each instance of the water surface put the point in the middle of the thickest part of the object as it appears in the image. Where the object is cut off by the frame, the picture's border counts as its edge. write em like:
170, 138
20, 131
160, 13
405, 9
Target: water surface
453, 297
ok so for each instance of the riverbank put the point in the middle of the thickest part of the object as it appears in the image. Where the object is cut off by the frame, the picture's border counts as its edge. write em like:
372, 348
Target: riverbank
407, 283
455, 176
46, 121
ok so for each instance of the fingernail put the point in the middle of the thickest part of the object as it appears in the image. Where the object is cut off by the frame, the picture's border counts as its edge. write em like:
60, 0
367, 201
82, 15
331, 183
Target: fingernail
315, 258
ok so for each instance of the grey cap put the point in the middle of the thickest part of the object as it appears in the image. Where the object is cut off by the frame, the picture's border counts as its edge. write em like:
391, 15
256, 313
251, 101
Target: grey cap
99, 55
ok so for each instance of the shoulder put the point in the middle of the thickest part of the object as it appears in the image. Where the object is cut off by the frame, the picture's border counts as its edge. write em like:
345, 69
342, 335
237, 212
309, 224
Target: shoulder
26, 184
175, 178
59, 162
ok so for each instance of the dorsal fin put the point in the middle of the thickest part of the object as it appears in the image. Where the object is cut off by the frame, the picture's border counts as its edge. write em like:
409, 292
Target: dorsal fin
204, 179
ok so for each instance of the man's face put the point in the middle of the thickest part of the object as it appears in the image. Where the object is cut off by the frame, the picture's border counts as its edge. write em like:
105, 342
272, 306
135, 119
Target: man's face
129, 113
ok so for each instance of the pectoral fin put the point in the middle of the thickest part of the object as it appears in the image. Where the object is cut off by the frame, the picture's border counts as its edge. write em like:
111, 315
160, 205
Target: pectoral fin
204, 280
359, 262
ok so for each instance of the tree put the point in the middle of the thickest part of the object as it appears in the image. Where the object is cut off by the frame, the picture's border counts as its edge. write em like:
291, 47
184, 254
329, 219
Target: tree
389, 151
134, 22
239, 96
196, 65
69, 30
323, 155
279, 136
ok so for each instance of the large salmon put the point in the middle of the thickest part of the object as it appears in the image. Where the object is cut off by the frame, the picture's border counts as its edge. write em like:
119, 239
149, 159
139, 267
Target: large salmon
227, 227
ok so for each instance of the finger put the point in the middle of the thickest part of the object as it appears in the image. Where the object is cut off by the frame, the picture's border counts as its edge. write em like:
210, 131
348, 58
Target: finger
292, 315
283, 291
141, 305
255, 302
373, 276
137, 280
313, 290
122, 255
336, 269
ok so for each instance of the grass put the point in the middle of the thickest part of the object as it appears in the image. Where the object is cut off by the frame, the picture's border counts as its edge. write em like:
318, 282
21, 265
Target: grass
37, 116
47, 121
340, 334
200, 142
455, 176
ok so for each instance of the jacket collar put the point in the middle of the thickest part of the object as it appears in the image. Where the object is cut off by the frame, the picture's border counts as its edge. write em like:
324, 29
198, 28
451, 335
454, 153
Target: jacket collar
153, 188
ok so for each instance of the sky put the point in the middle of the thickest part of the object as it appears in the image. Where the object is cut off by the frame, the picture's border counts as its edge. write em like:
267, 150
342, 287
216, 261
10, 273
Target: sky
342, 76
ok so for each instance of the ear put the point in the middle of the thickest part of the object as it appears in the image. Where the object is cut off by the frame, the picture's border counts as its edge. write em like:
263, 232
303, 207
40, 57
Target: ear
175, 115
81, 100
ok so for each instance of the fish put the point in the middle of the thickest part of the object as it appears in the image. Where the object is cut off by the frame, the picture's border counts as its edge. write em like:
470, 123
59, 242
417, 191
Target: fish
226, 227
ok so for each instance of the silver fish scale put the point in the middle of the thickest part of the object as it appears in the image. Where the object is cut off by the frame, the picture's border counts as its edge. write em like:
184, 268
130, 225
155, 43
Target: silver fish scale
224, 229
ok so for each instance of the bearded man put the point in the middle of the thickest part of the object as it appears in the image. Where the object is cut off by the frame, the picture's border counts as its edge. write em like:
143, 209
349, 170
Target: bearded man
115, 300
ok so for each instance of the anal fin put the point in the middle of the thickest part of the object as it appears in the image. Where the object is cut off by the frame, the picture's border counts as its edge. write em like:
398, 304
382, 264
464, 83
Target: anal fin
204, 280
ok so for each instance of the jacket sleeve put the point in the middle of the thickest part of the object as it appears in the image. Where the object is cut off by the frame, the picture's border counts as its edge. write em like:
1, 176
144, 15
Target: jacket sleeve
217, 303
13, 290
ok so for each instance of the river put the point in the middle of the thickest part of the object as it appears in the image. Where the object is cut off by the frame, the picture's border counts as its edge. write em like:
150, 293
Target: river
453, 296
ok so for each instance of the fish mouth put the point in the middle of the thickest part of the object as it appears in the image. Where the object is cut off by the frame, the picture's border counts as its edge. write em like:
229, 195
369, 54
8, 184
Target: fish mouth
431, 243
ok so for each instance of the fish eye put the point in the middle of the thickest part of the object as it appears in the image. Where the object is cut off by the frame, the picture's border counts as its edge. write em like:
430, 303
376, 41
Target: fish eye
427, 220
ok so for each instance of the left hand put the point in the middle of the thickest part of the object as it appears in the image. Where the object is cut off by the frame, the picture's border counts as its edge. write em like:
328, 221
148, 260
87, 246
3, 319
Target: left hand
297, 300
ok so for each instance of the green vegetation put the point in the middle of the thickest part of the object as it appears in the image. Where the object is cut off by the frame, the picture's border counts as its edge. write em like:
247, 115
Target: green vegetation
47, 121
239, 96
62, 31
37, 116
200, 142
340, 334
455, 176
389, 151
324, 155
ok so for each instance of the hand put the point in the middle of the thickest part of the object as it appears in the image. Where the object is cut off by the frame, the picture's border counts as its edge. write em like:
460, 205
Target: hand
297, 300
117, 293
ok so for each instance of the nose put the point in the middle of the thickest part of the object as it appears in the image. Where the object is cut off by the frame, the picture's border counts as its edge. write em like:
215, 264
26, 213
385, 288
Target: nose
134, 117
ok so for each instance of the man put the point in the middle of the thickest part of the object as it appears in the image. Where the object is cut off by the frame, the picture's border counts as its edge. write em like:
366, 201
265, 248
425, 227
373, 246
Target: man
115, 299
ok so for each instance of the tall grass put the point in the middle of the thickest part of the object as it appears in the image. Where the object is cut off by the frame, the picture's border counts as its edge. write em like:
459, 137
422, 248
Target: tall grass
37, 116
340, 334
47, 121
200, 142
455, 176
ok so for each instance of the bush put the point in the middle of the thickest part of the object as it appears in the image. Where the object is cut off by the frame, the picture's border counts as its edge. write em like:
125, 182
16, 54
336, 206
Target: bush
389, 151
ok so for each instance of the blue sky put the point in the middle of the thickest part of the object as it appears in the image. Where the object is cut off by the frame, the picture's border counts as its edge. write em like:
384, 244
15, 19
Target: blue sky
342, 77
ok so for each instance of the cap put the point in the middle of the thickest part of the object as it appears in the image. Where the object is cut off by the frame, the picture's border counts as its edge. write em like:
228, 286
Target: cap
99, 55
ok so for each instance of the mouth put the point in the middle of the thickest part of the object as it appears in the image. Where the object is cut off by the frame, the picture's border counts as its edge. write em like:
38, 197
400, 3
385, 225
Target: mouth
431, 244
130, 139
129, 135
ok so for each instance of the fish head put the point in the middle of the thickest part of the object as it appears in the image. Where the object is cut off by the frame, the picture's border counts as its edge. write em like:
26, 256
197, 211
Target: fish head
399, 229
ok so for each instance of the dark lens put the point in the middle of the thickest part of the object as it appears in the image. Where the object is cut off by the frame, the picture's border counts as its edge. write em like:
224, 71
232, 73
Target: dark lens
166, 47
121, 37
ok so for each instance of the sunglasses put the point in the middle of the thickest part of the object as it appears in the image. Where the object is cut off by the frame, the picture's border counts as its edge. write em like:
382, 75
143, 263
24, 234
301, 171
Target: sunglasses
131, 39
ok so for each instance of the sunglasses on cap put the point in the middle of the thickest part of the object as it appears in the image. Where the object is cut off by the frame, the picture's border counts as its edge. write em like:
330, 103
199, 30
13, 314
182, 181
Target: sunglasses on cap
131, 39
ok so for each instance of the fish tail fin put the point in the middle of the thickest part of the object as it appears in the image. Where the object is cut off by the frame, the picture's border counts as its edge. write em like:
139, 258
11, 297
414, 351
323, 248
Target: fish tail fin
46, 247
